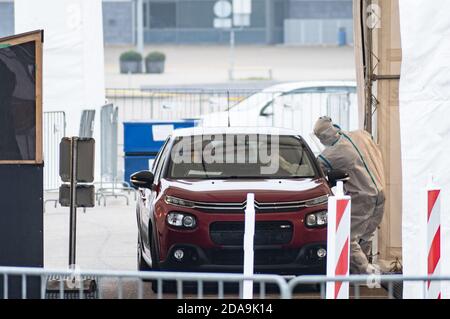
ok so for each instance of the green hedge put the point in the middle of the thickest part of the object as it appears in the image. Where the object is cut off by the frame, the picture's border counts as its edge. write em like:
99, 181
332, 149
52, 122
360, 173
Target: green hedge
131, 56
155, 56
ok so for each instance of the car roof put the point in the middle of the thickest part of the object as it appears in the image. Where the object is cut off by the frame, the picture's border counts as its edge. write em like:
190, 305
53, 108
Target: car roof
199, 130
290, 86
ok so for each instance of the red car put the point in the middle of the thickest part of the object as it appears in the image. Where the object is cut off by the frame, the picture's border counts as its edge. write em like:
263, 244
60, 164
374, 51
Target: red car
190, 211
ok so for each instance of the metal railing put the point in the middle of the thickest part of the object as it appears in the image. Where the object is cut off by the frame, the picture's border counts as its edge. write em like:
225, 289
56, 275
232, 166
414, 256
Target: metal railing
295, 111
54, 129
40, 283
172, 104
177, 104
237, 107
393, 284
119, 284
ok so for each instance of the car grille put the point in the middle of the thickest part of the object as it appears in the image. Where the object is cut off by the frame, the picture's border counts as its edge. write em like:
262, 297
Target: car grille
261, 207
266, 233
261, 257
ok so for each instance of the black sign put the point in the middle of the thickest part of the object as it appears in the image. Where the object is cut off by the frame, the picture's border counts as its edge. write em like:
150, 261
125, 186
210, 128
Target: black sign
85, 152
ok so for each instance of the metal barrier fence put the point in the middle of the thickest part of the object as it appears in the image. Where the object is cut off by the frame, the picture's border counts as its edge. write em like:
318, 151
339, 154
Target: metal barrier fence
296, 109
393, 284
118, 284
243, 107
54, 130
172, 104
131, 284
177, 104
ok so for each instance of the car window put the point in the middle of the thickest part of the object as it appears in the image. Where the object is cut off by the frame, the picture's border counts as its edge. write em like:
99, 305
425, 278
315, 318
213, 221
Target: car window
158, 156
256, 156
161, 161
158, 161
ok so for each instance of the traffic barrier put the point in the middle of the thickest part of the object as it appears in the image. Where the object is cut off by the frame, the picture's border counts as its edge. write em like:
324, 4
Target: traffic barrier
18, 282
434, 239
338, 243
361, 284
135, 285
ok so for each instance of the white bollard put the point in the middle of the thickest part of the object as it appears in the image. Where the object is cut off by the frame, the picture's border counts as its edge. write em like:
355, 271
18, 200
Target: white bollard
338, 243
433, 290
249, 235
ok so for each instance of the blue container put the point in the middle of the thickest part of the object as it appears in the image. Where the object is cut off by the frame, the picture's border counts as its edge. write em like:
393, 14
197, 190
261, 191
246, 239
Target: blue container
148, 137
135, 164
342, 37
143, 140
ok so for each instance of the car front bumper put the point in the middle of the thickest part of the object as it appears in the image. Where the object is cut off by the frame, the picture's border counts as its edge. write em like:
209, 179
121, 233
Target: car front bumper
267, 260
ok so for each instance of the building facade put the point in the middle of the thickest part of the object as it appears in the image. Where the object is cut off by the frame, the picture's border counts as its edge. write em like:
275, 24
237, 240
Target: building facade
6, 18
292, 22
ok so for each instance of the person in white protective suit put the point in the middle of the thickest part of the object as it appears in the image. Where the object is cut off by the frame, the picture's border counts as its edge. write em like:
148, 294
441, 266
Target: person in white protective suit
356, 154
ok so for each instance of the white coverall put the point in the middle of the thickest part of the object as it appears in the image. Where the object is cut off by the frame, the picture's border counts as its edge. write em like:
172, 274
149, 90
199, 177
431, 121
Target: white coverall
356, 154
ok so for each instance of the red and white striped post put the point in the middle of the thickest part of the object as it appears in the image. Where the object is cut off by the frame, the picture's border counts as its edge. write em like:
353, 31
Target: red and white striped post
433, 239
338, 243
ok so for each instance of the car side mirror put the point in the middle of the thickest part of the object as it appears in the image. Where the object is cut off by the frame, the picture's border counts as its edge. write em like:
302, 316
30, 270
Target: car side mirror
142, 179
335, 176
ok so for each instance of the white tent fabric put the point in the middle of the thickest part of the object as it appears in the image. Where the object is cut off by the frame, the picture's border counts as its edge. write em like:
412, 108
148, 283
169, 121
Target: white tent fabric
73, 78
425, 129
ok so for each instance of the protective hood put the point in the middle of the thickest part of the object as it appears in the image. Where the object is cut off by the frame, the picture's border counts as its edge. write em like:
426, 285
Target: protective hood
326, 132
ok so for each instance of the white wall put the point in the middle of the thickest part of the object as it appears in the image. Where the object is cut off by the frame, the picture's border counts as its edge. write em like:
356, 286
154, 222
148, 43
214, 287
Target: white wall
73, 78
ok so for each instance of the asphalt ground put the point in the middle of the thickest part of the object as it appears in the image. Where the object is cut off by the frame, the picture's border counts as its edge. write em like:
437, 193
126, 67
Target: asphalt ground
106, 240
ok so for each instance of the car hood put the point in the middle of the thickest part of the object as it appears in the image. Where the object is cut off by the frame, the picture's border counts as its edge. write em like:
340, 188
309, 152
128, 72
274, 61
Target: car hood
265, 190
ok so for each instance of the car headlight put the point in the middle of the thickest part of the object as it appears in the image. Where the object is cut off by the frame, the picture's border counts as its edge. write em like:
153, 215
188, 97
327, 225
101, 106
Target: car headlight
178, 201
178, 219
319, 219
317, 201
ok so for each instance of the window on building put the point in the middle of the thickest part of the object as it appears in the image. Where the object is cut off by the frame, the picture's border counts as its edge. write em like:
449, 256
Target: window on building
200, 9
162, 15
146, 12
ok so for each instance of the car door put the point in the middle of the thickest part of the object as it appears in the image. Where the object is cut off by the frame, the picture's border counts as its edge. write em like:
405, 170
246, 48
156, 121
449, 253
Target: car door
147, 197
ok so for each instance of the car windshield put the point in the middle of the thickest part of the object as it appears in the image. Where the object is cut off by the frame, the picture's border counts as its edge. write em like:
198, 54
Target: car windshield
240, 156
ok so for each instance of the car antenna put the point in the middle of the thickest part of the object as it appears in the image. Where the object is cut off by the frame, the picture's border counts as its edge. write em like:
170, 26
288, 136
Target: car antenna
228, 107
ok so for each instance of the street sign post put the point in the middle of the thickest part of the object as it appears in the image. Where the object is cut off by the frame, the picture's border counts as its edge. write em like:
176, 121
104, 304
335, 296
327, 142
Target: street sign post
77, 158
76, 166
229, 15
242, 10
222, 10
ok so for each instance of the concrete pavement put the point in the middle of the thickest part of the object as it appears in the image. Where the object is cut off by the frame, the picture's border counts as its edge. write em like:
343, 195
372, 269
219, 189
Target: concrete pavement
106, 240
209, 64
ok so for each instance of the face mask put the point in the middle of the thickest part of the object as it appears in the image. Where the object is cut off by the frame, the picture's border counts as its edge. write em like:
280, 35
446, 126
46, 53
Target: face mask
328, 138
